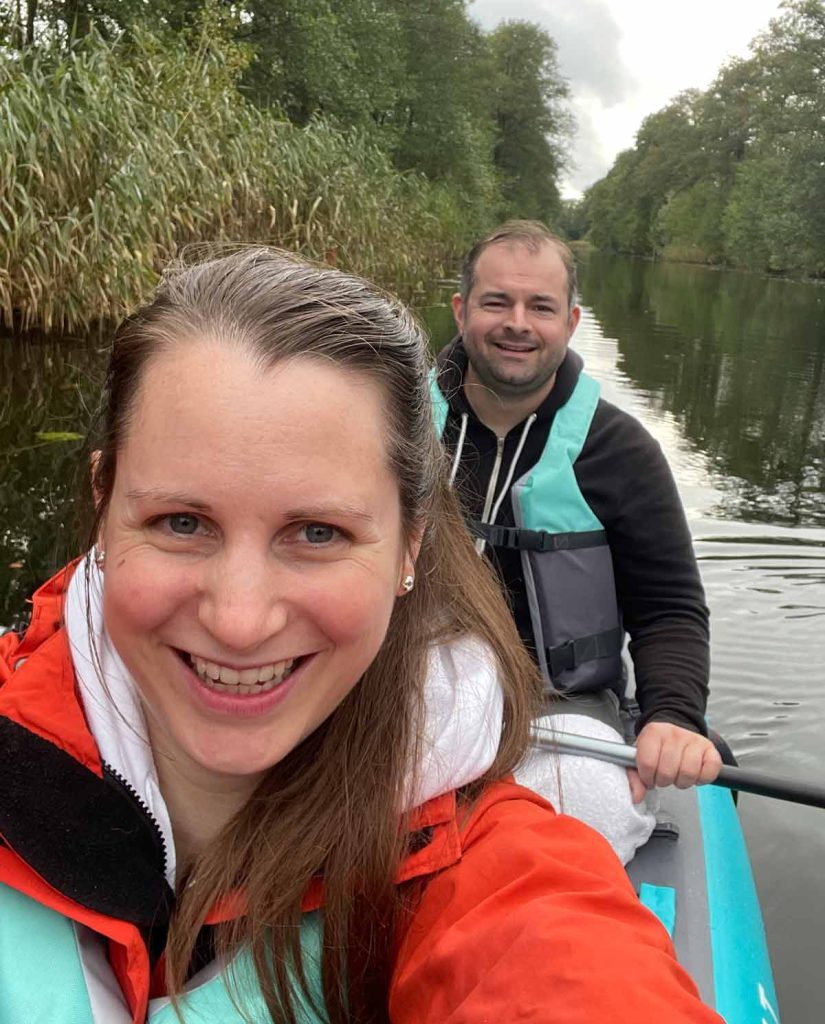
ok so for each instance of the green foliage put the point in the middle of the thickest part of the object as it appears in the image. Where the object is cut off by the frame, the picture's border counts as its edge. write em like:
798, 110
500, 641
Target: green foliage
572, 220
385, 132
617, 224
340, 59
442, 119
114, 156
528, 95
690, 223
734, 174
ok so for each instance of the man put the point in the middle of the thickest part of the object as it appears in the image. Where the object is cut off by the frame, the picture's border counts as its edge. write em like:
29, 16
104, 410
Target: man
575, 505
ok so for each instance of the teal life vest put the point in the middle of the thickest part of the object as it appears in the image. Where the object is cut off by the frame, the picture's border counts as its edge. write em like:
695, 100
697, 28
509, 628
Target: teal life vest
565, 556
53, 971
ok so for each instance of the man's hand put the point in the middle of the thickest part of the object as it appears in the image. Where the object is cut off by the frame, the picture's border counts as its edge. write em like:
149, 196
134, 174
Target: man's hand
668, 755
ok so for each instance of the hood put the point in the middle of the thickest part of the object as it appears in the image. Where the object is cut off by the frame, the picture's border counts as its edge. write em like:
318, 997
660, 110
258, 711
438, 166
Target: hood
462, 720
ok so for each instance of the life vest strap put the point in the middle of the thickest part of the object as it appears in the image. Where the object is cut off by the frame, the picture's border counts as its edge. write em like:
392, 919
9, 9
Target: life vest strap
586, 648
535, 540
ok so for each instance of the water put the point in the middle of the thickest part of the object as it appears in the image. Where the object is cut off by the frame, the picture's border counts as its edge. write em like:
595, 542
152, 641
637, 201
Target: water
726, 370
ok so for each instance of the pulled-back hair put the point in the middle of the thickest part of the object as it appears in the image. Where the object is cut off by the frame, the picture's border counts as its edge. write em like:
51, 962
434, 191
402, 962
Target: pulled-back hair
532, 234
331, 809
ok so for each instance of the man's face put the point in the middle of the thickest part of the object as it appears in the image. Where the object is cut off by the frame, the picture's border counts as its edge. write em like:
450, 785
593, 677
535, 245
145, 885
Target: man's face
516, 323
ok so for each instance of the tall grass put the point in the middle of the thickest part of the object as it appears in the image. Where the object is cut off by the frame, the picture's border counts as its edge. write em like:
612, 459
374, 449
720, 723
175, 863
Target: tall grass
113, 156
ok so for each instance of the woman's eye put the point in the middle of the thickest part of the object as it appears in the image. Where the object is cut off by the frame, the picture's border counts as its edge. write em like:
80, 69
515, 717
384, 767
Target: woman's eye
183, 524
319, 533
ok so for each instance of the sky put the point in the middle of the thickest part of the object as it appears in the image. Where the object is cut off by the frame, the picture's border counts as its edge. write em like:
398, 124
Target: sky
625, 59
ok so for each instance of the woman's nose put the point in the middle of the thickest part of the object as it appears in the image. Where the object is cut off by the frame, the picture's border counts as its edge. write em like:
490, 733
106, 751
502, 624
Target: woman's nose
243, 605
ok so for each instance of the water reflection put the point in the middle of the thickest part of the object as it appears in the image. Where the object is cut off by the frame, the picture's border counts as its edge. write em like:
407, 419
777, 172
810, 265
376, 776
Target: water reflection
738, 360
49, 386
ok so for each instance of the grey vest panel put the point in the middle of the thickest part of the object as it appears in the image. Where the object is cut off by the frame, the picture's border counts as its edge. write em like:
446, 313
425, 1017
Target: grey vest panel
576, 620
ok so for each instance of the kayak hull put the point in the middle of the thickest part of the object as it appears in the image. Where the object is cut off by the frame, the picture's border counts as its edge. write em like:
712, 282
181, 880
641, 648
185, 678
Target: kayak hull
697, 865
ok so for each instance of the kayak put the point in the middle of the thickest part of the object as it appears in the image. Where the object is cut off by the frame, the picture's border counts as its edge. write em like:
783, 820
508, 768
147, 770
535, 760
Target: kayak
695, 875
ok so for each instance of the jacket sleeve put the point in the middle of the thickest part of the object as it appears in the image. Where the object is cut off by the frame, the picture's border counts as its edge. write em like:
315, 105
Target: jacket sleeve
9, 643
625, 478
536, 923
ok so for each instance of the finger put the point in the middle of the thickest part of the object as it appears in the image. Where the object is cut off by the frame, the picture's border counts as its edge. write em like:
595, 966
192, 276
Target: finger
648, 749
711, 764
667, 767
638, 790
690, 768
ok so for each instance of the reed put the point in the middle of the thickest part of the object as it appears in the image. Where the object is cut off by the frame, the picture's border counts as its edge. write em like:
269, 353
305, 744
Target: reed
112, 156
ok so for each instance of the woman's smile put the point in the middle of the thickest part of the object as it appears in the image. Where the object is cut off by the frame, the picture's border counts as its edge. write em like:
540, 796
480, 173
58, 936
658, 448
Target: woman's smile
259, 679
242, 700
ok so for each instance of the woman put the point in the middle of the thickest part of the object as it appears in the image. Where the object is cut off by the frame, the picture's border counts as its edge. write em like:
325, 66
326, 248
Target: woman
254, 741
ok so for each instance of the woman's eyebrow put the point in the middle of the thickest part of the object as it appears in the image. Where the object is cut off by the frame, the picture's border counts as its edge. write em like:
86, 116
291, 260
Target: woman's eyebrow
330, 510
321, 510
167, 498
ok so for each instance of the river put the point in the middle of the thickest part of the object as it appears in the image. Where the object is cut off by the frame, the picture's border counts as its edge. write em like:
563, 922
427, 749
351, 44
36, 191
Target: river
727, 371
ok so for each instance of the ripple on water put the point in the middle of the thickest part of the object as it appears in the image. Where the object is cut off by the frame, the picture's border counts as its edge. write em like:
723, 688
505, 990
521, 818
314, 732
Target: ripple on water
763, 590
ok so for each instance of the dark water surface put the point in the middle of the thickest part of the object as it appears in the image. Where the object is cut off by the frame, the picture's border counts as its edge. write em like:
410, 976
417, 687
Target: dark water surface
726, 370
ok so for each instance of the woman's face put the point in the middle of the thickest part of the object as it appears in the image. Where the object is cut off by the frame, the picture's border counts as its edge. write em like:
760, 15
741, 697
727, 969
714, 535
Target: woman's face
254, 550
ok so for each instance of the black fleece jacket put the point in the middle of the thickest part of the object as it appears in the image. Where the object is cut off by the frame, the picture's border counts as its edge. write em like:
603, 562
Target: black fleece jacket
626, 481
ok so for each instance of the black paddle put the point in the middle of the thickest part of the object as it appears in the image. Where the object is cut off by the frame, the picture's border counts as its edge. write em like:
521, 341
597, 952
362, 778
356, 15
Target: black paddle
743, 779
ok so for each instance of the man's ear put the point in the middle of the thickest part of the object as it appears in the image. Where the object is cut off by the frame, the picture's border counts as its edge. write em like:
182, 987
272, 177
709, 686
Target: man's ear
94, 461
573, 322
458, 312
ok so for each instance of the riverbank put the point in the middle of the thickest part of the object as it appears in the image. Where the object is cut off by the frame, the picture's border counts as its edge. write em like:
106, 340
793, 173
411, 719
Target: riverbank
582, 249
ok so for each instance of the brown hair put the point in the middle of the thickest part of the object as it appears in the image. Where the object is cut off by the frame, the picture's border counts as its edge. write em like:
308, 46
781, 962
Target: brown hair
533, 235
330, 808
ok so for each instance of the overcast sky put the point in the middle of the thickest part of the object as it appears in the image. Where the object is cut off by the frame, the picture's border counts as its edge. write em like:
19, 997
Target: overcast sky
624, 59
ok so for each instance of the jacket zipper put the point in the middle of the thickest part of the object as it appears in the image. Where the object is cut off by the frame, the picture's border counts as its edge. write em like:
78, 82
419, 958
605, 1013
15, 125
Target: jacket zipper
125, 784
491, 487
491, 490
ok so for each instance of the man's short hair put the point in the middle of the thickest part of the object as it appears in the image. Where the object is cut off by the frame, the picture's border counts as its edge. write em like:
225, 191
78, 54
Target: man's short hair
532, 234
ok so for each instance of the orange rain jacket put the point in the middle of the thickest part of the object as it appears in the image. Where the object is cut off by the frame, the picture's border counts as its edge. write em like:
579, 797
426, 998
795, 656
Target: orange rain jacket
525, 916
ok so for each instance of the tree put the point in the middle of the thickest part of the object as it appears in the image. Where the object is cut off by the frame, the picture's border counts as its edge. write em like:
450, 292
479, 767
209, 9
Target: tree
736, 173
341, 59
532, 123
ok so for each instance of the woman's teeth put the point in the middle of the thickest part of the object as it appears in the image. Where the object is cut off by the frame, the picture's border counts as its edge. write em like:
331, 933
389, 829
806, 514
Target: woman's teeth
243, 681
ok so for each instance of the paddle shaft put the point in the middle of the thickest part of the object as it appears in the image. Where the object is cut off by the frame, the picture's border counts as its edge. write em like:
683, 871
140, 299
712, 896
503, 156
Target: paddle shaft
743, 779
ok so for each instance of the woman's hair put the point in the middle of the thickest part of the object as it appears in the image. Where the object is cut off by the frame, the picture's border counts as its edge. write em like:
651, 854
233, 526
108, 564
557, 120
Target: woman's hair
330, 809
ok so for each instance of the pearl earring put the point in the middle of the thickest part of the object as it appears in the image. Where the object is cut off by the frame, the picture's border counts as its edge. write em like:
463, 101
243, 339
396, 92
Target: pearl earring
100, 557
408, 583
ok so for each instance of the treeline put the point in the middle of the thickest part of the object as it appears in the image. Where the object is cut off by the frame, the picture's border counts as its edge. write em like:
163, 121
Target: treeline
734, 175
378, 134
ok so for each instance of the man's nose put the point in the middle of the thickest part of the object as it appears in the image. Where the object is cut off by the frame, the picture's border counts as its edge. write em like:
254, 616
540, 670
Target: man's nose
517, 318
243, 602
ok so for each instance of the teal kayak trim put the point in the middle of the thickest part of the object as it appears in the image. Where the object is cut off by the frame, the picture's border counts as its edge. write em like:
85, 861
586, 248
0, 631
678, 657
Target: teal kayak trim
742, 976
661, 899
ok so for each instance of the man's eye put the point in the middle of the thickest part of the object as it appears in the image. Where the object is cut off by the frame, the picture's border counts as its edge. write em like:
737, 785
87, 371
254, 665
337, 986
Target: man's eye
183, 524
319, 533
